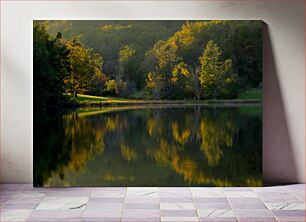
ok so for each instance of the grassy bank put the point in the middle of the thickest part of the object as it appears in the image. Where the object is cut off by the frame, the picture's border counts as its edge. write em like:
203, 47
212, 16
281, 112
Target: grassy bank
101, 99
251, 94
88, 100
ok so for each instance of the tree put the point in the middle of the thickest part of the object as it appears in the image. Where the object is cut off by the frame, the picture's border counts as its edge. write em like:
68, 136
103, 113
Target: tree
162, 45
124, 56
85, 66
155, 84
181, 80
243, 44
109, 37
194, 78
122, 86
111, 86
150, 62
229, 89
165, 53
98, 78
50, 67
215, 75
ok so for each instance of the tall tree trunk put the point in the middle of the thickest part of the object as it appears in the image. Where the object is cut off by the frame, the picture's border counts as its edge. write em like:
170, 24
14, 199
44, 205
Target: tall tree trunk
194, 73
197, 86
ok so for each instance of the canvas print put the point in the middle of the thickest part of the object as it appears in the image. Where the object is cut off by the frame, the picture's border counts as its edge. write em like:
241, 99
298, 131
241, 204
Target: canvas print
147, 103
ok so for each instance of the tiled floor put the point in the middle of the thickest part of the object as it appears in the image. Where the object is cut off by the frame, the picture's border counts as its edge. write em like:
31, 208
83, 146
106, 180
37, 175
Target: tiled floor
21, 202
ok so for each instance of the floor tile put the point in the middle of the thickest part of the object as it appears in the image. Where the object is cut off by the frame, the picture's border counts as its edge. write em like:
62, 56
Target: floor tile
142, 192
213, 205
285, 206
291, 219
176, 200
142, 200
280, 200
150, 189
210, 200
175, 189
29, 200
296, 186
175, 194
178, 213
58, 189
177, 206
254, 219
178, 219
101, 219
24, 194
142, 213
253, 213
141, 206
272, 193
289, 213
3, 200
200, 192
27, 186
19, 206
54, 219
105, 200
103, 213
218, 219
240, 194
140, 219
104, 206
273, 197
246, 200
237, 189
68, 193
62, 203
14, 214
248, 206
10, 186
23, 202
299, 195
108, 189
109, 193
57, 213
216, 213
279, 189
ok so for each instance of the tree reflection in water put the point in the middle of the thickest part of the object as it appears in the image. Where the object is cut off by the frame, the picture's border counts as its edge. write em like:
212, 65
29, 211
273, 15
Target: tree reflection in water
140, 146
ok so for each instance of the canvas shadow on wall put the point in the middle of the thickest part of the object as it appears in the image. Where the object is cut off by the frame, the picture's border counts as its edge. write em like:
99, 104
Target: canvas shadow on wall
147, 103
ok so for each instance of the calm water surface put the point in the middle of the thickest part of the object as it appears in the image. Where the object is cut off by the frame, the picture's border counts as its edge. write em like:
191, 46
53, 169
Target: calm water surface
150, 146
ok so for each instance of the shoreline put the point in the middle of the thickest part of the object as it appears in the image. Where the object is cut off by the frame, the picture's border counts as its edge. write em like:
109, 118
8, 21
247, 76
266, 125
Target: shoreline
93, 110
170, 102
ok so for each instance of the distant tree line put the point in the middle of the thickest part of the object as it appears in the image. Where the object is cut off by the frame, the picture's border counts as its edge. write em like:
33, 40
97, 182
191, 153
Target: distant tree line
145, 59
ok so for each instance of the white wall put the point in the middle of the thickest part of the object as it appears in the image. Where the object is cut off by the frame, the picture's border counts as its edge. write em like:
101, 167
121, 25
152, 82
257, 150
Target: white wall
284, 54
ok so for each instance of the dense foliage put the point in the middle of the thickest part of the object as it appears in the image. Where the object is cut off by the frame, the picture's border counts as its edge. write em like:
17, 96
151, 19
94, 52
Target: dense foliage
146, 59
50, 68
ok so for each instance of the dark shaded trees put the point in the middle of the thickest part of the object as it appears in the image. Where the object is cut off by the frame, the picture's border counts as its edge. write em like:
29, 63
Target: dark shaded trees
61, 67
51, 65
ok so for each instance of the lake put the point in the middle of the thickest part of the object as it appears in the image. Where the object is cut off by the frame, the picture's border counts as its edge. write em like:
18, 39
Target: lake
153, 145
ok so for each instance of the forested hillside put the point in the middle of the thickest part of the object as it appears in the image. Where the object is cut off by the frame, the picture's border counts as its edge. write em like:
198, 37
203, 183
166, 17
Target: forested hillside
148, 59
